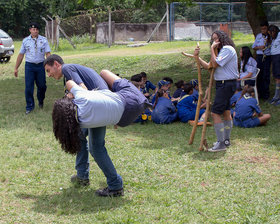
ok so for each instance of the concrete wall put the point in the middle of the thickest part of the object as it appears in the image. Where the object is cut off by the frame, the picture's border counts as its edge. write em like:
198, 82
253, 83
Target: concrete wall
129, 31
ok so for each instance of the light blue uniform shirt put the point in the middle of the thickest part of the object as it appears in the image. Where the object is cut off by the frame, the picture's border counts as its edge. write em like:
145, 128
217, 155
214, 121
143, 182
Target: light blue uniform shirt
275, 45
97, 108
35, 50
261, 41
228, 64
251, 66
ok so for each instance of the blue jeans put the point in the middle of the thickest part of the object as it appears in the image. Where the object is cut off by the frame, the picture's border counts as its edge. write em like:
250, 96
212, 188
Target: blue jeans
34, 73
99, 152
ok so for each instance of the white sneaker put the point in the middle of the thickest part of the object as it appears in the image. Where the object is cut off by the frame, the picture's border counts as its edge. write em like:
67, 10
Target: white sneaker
218, 146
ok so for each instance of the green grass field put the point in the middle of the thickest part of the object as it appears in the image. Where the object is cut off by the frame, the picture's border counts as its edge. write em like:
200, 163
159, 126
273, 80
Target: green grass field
165, 179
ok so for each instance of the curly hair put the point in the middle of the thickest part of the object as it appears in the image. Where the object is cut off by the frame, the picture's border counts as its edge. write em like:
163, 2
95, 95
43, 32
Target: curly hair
66, 128
223, 39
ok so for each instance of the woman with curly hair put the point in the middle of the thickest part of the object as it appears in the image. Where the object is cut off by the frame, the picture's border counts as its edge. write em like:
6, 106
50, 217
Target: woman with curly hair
95, 108
225, 75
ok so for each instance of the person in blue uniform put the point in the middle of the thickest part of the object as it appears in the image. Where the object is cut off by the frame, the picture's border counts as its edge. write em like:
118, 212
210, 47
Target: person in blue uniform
262, 48
88, 79
35, 48
164, 85
147, 86
247, 111
164, 111
248, 66
186, 106
225, 75
234, 99
195, 93
275, 58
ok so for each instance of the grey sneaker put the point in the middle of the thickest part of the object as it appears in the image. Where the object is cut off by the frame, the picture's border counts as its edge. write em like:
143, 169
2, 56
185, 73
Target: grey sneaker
106, 192
226, 142
219, 146
78, 181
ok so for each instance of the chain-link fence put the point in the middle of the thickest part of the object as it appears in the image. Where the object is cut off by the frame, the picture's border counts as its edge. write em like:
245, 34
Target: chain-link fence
197, 22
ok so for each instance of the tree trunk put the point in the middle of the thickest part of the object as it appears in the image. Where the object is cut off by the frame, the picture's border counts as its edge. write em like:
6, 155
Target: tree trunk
255, 14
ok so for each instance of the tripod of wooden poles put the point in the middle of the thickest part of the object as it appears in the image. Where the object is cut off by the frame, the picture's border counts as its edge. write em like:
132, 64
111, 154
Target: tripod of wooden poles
203, 142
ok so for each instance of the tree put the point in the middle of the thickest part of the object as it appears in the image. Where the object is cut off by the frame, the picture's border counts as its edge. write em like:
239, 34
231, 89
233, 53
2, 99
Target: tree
255, 14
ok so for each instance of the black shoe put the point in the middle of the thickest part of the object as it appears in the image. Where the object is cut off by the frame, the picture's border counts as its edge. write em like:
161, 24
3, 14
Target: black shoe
227, 142
28, 112
41, 106
78, 181
106, 192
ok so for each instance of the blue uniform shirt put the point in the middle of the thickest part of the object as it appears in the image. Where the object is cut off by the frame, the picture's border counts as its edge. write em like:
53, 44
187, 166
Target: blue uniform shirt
245, 108
81, 74
228, 64
148, 85
261, 40
164, 112
35, 49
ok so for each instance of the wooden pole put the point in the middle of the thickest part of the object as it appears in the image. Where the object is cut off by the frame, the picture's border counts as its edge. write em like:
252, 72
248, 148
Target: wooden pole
199, 98
157, 26
203, 141
109, 28
167, 21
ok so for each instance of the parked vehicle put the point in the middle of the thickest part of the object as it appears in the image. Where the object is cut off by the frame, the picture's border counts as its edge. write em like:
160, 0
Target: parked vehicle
6, 47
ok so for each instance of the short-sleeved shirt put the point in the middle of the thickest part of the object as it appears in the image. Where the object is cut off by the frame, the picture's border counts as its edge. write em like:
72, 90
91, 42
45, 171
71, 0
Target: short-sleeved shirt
81, 74
261, 40
148, 85
97, 108
251, 66
275, 45
228, 64
35, 49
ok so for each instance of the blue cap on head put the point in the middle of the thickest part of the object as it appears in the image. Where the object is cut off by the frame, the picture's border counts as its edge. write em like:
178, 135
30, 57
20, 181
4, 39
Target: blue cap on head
194, 82
162, 83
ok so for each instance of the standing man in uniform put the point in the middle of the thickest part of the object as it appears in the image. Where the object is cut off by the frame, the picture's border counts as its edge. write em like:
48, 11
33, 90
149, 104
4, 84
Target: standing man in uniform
87, 78
225, 75
262, 48
35, 47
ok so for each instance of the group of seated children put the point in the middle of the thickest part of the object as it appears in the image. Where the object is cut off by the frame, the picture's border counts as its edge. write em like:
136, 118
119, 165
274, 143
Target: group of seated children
183, 103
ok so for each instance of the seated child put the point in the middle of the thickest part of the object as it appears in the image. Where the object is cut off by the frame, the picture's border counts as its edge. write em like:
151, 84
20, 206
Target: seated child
247, 111
180, 86
95, 108
164, 85
234, 99
164, 111
248, 66
194, 83
147, 86
137, 80
176, 95
187, 106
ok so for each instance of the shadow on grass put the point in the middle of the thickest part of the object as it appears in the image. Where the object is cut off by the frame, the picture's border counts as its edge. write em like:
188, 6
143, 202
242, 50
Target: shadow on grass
73, 201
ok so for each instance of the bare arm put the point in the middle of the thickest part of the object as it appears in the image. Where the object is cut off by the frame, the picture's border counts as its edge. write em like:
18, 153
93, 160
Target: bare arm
213, 54
18, 62
202, 62
48, 54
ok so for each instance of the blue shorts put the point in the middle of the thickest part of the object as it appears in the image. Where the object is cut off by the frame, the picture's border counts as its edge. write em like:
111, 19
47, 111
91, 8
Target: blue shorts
249, 123
276, 66
135, 102
224, 91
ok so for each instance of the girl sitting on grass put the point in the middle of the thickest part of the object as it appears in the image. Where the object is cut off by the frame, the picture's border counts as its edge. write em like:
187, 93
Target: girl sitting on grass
247, 111
187, 106
164, 110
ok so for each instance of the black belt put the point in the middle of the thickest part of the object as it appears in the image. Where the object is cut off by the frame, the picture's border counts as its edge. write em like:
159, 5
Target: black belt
228, 80
35, 63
